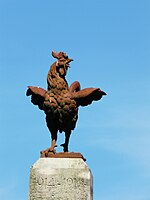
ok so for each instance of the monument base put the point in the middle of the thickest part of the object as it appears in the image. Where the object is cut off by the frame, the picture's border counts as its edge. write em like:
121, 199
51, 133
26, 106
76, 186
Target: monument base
60, 179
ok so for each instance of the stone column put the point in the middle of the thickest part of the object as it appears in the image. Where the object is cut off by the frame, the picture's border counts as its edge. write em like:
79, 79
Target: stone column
60, 179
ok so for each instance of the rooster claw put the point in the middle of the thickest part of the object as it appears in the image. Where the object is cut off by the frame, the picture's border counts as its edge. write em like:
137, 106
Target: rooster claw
45, 153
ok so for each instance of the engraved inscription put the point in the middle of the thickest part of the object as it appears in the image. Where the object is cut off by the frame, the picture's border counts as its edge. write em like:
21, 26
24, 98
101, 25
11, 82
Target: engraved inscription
58, 187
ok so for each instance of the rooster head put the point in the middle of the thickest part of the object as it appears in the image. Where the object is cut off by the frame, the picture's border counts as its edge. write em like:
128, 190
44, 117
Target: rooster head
62, 63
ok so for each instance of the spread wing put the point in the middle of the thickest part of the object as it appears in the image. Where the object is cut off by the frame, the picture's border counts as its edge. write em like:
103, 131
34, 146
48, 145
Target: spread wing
37, 95
86, 96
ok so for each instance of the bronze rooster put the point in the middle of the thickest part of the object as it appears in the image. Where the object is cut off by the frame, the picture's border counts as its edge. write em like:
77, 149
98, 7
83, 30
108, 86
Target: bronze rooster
60, 102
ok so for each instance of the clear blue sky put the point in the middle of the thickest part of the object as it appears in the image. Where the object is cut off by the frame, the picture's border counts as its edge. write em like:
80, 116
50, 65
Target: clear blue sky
109, 41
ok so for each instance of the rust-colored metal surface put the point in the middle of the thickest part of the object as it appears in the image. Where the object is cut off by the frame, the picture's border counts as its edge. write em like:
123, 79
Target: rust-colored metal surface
62, 155
60, 102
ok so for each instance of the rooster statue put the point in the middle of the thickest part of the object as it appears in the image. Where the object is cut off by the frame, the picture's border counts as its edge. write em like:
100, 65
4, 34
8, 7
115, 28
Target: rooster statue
60, 102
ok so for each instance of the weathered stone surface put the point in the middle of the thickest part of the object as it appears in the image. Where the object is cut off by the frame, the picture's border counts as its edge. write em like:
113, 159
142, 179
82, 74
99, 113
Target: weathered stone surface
60, 179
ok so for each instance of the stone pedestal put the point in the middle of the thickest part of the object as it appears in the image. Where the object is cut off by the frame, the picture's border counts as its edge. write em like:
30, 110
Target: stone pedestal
60, 179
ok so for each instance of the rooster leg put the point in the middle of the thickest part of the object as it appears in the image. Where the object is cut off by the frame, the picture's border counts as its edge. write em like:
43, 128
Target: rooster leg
53, 145
65, 145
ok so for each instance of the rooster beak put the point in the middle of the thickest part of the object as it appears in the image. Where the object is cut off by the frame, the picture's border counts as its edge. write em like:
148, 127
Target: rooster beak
69, 60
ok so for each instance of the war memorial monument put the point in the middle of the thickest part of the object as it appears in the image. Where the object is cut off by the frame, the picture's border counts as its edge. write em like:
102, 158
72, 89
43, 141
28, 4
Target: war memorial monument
61, 175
